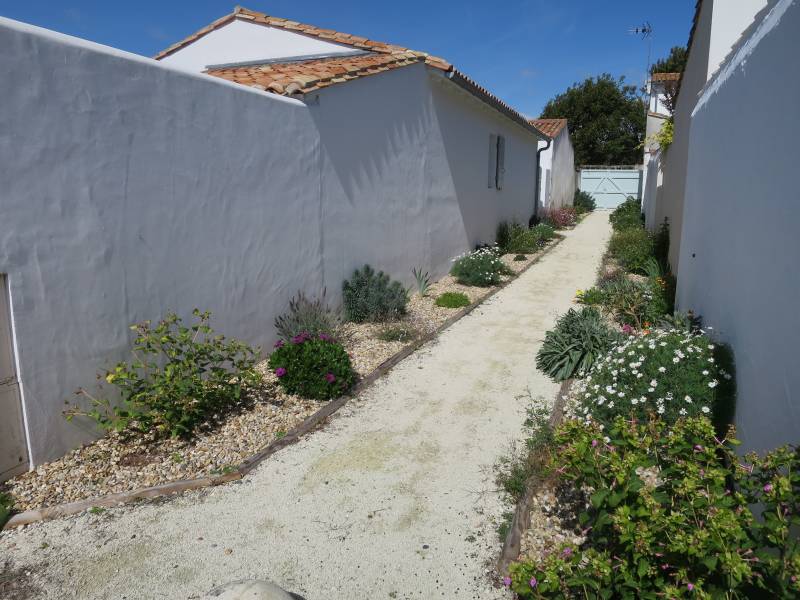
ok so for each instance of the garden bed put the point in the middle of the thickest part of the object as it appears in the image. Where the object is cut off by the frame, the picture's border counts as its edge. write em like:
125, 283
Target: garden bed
116, 464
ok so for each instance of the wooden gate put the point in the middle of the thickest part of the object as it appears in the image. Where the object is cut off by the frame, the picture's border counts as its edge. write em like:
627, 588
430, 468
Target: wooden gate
611, 186
13, 446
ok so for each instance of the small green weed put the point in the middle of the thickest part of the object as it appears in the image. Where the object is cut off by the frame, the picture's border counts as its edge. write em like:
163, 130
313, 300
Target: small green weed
452, 300
397, 333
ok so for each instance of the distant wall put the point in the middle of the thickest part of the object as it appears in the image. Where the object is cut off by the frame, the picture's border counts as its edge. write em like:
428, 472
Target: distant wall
131, 188
739, 256
558, 172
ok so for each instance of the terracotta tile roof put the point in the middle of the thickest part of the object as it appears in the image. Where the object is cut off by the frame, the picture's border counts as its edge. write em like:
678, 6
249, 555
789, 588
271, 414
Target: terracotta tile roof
665, 76
306, 76
551, 127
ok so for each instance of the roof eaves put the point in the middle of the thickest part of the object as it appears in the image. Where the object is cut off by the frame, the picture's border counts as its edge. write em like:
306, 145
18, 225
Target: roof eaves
487, 97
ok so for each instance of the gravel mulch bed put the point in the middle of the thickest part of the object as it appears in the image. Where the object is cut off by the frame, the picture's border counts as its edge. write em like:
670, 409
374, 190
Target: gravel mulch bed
119, 463
553, 522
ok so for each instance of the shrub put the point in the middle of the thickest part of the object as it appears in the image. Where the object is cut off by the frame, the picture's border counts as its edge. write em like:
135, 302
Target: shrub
544, 231
583, 202
672, 374
592, 297
577, 341
315, 367
560, 218
503, 236
523, 240
452, 300
627, 215
180, 378
661, 246
520, 257
312, 316
632, 247
638, 304
371, 296
662, 521
397, 333
481, 268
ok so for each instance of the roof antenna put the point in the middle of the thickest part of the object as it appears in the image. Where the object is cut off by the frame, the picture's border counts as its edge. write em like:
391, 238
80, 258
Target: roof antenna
646, 31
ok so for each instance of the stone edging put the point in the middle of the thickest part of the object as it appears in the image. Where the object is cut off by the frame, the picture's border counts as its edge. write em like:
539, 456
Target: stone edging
522, 515
311, 422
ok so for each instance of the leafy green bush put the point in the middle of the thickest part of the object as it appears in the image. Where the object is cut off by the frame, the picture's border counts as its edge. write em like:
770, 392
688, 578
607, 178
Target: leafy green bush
482, 268
671, 374
577, 341
452, 300
180, 378
583, 202
311, 316
520, 257
632, 247
638, 304
523, 240
662, 521
315, 367
503, 236
544, 232
594, 296
371, 296
627, 215
397, 333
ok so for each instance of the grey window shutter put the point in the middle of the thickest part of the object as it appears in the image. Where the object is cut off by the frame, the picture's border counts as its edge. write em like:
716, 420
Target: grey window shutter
492, 160
501, 160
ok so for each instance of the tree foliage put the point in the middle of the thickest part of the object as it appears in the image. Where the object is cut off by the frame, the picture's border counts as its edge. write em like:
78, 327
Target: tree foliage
606, 120
675, 62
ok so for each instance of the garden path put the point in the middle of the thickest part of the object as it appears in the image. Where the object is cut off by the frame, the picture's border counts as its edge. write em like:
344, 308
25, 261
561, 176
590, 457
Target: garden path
394, 498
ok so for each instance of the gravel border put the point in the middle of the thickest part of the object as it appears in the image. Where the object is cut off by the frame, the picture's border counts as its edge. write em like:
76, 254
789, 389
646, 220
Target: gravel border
431, 328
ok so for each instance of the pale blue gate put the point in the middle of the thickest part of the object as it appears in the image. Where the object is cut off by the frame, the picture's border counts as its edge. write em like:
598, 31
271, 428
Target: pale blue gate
610, 186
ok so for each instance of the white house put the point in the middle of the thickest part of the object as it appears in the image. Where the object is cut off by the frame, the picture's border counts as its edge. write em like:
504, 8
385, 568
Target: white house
660, 87
556, 164
255, 159
732, 202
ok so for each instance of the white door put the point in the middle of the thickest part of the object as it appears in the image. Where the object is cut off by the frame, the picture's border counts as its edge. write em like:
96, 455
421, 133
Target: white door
13, 446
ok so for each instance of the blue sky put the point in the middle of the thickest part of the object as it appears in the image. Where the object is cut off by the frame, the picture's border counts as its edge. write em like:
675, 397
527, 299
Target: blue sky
524, 51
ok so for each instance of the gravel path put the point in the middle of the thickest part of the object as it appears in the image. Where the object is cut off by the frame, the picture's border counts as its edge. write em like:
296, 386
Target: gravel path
394, 498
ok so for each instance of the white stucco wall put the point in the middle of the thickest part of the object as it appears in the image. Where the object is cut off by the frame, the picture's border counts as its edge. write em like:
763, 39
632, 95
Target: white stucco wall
738, 265
131, 188
242, 41
558, 172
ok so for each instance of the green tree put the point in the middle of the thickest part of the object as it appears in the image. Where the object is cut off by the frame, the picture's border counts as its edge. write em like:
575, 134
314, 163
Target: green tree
674, 63
606, 120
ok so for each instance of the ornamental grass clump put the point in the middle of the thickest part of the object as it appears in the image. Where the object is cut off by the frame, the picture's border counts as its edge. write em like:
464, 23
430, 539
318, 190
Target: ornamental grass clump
482, 268
671, 515
579, 338
312, 316
544, 232
315, 367
180, 379
523, 240
371, 296
670, 374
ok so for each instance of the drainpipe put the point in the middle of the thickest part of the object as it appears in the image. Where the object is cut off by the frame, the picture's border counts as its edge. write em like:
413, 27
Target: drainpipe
539, 179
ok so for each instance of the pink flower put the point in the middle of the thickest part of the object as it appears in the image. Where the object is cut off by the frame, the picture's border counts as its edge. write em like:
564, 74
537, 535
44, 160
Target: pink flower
567, 552
768, 488
330, 377
533, 583
279, 344
698, 447
594, 443
627, 329
690, 586
507, 581
280, 371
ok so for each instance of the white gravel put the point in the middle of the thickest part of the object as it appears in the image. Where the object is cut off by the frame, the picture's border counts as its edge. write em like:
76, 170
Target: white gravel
394, 498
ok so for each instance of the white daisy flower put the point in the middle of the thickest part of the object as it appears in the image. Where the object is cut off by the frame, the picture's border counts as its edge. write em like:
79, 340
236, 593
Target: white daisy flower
706, 410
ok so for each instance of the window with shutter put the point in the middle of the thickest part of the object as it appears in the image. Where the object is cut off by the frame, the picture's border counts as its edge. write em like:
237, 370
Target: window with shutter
501, 160
492, 160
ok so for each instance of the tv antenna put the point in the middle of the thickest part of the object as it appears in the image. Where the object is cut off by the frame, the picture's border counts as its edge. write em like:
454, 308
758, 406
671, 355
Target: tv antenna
645, 30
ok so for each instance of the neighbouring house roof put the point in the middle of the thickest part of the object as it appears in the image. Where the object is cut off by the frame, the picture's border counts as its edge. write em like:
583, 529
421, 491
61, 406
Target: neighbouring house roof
665, 77
550, 127
303, 76
310, 75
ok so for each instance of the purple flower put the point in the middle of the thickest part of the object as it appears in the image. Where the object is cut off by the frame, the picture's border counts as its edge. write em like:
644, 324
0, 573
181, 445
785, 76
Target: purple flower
533, 583
627, 329
298, 339
690, 586
698, 447
325, 337
330, 377
279, 344
280, 371
768, 488
594, 443
507, 581
567, 552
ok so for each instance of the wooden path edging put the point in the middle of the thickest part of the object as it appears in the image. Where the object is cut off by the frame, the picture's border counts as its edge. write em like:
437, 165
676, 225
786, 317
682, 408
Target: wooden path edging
522, 515
311, 422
